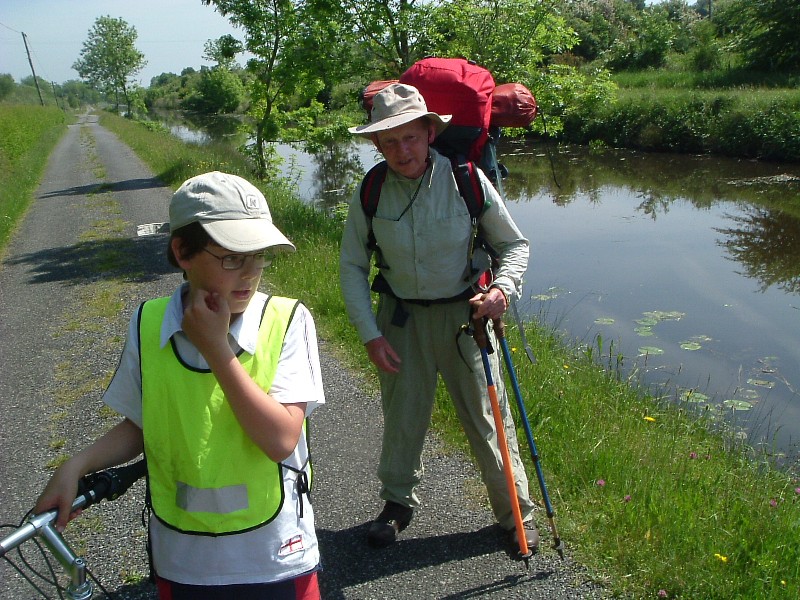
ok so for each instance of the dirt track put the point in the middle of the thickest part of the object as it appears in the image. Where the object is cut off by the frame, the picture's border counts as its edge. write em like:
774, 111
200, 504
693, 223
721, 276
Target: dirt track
59, 346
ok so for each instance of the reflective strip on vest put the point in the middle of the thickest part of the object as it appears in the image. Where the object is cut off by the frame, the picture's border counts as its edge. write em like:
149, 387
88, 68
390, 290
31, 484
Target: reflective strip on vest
206, 476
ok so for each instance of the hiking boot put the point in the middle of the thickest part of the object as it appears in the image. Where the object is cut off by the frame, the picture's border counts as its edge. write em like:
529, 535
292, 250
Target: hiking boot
531, 536
393, 519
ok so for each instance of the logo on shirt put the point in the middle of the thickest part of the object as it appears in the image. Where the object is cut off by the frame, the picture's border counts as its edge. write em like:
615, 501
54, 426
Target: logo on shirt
292, 545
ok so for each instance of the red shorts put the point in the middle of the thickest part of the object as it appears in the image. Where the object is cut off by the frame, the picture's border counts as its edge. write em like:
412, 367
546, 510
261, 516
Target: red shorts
304, 587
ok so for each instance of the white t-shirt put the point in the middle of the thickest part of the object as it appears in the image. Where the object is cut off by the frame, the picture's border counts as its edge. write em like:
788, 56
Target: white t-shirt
287, 546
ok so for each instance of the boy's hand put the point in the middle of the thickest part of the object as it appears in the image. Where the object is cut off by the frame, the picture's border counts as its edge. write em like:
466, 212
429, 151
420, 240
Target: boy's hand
206, 320
59, 493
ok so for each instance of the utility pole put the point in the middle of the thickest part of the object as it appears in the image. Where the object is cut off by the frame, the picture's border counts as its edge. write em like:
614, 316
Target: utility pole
30, 62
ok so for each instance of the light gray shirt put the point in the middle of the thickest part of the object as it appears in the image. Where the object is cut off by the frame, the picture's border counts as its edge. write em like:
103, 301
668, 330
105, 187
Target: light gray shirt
425, 245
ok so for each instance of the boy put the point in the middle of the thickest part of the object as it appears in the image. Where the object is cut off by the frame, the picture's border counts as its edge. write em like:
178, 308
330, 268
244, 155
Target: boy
215, 384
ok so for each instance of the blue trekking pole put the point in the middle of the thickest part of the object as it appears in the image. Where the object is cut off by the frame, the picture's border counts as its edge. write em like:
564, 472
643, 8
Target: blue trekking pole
499, 330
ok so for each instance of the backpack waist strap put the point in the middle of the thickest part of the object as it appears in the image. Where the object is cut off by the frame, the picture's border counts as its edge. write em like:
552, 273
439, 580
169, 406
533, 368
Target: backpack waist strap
381, 286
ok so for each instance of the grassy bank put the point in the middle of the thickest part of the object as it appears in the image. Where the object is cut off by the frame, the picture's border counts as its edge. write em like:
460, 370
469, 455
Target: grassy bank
725, 113
646, 495
27, 136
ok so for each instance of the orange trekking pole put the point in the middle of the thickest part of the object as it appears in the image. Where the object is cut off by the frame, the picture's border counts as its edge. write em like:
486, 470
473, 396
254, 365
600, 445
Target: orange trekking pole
479, 333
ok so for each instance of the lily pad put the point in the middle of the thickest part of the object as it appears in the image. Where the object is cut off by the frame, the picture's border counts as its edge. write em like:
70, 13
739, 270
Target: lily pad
694, 397
701, 338
543, 297
604, 321
650, 350
646, 322
643, 331
749, 394
761, 383
691, 346
663, 315
738, 404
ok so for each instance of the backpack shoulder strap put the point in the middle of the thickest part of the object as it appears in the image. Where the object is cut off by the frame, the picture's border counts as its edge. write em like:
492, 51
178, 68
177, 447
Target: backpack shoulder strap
371, 188
466, 175
469, 186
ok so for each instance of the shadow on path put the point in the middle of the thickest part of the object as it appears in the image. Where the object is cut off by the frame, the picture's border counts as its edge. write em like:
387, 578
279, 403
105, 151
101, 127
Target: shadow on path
127, 185
349, 562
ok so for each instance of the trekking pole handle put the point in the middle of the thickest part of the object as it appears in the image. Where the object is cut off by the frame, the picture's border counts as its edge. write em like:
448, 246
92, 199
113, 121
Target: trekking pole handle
499, 327
479, 334
109, 484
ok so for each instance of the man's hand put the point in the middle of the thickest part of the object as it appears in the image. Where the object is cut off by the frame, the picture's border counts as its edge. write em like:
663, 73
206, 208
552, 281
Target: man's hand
382, 355
491, 304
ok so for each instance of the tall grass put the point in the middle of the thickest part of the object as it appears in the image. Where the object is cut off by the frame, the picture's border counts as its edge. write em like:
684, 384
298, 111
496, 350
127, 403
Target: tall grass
651, 498
27, 136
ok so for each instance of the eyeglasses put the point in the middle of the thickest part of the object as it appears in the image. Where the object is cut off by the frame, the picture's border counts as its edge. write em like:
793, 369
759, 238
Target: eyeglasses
234, 262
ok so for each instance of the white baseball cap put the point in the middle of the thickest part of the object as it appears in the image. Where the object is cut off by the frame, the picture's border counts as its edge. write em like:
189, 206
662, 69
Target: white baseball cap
232, 211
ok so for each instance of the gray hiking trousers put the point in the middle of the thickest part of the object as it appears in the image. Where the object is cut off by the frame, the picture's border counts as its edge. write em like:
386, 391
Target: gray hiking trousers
431, 342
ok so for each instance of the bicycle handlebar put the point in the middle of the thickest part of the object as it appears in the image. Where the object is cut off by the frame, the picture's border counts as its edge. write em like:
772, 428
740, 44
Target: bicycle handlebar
108, 484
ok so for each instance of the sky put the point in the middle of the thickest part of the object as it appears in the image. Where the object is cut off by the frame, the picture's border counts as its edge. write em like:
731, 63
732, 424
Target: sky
171, 34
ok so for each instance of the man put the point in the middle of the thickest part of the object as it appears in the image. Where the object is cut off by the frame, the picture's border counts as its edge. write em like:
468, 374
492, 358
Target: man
422, 235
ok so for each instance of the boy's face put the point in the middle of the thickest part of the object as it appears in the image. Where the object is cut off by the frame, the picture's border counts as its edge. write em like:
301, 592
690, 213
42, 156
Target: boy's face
405, 148
204, 271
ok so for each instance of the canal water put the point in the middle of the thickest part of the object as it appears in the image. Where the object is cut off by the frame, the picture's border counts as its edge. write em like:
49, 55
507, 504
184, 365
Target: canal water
686, 267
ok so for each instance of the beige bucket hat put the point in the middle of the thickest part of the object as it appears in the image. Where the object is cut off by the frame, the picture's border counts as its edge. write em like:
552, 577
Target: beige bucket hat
395, 105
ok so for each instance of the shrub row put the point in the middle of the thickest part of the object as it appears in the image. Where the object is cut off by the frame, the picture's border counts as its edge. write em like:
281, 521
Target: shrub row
763, 124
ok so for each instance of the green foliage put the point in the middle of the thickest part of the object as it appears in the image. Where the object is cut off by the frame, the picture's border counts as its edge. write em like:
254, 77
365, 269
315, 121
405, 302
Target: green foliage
767, 33
756, 125
270, 30
567, 96
390, 33
78, 93
109, 59
6, 85
707, 53
644, 45
511, 38
223, 50
217, 91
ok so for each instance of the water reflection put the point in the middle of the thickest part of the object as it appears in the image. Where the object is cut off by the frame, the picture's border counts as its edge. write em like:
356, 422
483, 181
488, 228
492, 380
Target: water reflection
688, 265
201, 129
766, 243
337, 170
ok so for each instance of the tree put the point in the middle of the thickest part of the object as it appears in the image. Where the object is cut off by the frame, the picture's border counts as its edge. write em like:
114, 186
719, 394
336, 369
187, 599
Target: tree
389, 31
6, 85
223, 50
511, 38
270, 28
109, 59
218, 91
766, 33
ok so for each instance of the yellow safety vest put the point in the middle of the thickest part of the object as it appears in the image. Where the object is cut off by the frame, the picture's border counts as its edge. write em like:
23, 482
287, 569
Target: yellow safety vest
205, 475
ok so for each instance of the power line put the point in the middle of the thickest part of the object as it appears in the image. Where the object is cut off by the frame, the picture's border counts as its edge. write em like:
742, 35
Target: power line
9, 28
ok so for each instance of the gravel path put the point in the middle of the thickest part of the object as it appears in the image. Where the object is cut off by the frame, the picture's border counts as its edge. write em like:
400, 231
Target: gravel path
55, 362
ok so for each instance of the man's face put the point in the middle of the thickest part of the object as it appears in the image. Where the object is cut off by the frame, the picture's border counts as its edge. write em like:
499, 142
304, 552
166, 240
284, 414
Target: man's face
405, 148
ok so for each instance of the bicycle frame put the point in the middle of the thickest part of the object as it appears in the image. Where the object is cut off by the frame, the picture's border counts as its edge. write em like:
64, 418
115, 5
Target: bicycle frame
103, 485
